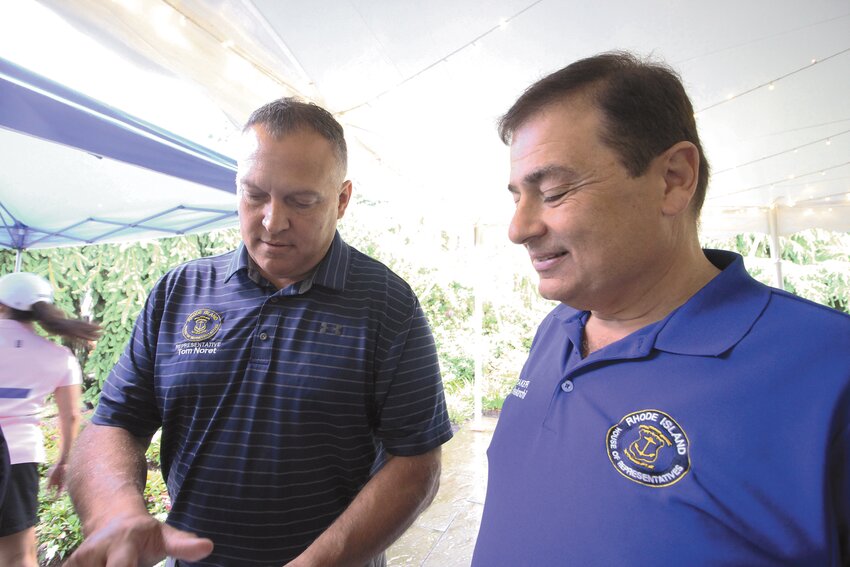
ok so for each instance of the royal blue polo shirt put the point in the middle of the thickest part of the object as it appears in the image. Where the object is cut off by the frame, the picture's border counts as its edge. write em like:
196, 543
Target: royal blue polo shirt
276, 405
717, 436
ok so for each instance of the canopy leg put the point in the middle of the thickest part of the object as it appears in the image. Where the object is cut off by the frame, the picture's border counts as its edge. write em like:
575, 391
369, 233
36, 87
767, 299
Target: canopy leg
775, 250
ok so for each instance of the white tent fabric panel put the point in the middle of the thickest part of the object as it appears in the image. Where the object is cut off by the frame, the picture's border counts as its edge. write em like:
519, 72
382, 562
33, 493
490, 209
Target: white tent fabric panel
71, 197
76, 171
419, 85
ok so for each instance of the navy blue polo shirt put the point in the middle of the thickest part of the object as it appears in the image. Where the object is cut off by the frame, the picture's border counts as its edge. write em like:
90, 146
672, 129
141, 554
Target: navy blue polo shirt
276, 405
717, 436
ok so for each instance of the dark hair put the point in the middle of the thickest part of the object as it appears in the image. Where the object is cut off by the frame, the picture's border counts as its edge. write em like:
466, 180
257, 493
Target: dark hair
287, 115
644, 106
55, 322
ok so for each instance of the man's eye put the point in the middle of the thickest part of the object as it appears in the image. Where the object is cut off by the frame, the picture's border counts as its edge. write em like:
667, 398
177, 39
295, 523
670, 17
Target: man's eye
253, 197
303, 202
551, 198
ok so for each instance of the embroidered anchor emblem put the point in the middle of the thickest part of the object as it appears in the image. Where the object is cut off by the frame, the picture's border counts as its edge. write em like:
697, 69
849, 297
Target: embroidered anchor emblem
653, 442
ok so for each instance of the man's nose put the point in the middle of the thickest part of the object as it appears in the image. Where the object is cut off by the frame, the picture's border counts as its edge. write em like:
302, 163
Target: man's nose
275, 217
526, 223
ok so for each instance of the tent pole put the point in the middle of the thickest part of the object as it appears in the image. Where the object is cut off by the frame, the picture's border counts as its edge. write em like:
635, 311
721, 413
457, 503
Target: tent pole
775, 251
18, 259
478, 326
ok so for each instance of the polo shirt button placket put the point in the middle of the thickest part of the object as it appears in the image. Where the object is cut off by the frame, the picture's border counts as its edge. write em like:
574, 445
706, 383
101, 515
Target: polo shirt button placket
567, 386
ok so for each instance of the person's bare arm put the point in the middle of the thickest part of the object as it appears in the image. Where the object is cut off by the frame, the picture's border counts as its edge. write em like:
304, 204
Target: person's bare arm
106, 481
68, 405
381, 512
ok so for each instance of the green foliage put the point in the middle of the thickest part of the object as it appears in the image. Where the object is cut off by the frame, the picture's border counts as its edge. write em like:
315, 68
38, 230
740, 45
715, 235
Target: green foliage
58, 531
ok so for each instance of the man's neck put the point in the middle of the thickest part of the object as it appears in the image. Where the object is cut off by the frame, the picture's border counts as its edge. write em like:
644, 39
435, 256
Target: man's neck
647, 303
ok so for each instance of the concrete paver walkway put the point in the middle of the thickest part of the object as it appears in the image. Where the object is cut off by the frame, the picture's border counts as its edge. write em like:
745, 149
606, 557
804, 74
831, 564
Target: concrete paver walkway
444, 535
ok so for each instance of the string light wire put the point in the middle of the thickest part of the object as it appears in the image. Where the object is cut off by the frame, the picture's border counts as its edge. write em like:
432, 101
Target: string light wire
778, 181
788, 151
499, 25
773, 81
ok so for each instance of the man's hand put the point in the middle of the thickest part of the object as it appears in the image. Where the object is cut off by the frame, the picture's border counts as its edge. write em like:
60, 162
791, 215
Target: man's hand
135, 541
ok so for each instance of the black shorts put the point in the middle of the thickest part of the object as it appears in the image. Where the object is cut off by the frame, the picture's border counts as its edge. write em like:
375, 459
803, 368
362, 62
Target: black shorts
20, 505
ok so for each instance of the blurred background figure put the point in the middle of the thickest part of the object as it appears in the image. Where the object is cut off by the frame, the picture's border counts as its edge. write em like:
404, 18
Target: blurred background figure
32, 368
4, 467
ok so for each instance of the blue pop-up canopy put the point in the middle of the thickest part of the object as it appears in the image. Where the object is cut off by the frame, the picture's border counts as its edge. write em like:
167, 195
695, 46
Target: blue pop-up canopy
76, 171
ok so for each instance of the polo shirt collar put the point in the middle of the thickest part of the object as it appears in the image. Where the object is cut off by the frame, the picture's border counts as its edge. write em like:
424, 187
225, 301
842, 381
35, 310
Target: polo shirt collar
719, 315
331, 271
710, 323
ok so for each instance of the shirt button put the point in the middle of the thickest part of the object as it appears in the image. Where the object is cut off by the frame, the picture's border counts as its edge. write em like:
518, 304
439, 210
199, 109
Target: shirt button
567, 386
273, 300
263, 336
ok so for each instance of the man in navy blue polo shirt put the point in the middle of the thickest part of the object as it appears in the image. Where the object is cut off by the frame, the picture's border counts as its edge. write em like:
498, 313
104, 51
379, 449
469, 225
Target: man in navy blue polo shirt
295, 381
672, 409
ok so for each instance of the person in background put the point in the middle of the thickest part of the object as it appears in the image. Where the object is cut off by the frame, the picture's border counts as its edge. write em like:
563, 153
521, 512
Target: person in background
295, 380
672, 410
31, 368
4, 468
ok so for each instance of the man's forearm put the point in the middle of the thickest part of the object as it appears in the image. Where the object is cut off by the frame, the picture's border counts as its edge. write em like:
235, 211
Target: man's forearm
381, 512
107, 475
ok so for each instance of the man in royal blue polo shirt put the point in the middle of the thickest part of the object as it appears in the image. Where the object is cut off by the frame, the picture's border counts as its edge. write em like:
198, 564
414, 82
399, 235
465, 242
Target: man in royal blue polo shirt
672, 410
295, 381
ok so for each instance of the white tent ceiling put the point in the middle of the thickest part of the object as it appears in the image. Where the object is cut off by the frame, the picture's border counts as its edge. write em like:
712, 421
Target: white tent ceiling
419, 86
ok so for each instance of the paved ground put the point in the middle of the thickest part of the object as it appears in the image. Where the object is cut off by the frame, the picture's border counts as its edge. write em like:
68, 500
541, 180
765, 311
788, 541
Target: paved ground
444, 535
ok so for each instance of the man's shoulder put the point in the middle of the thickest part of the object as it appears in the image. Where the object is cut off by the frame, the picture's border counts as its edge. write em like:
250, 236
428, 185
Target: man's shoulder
368, 272
198, 276
208, 267
808, 315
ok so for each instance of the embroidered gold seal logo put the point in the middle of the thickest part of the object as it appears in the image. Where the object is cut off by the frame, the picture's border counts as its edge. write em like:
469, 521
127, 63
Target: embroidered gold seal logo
650, 448
201, 325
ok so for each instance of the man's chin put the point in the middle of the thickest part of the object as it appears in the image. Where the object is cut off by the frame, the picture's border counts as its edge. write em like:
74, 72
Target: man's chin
263, 250
552, 290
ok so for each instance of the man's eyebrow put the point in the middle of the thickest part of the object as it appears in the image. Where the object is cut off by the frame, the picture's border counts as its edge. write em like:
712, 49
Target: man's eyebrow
246, 184
295, 193
537, 176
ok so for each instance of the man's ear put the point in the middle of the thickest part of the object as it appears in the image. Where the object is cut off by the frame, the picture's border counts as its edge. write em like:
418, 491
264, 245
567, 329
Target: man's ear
680, 166
344, 198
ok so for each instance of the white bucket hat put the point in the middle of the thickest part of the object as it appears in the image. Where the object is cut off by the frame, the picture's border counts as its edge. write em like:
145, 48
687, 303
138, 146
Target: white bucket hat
21, 289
